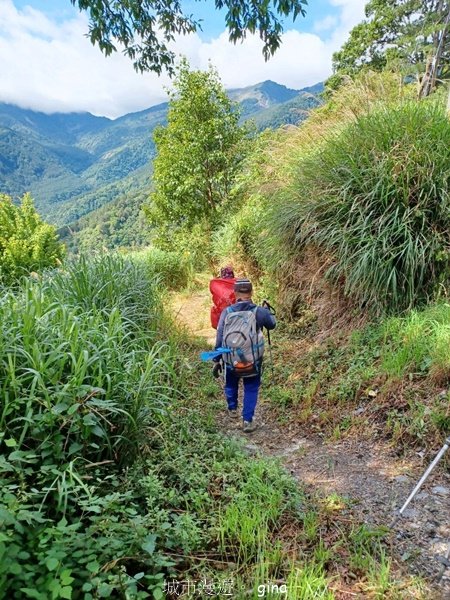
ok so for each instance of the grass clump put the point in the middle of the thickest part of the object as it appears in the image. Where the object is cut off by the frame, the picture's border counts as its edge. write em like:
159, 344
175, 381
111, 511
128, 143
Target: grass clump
174, 270
375, 197
418, 343
85, 381
81, 363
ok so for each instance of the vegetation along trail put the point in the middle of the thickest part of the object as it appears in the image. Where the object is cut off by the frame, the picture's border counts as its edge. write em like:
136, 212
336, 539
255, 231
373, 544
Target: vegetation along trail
122, 473
362, 479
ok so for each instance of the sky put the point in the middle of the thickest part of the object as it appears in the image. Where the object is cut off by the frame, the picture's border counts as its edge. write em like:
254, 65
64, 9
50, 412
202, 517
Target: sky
48, 64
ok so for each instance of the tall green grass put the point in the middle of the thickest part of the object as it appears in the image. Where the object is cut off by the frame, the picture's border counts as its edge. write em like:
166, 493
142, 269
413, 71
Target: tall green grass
81, 371
84, 381
173, 269
418, 343
375, 198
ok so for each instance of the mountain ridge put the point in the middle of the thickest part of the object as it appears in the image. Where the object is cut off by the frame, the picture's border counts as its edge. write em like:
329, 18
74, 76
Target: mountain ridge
65, 159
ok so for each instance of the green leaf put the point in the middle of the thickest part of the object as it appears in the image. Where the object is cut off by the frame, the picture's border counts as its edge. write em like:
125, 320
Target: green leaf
31, 593
66, 578
15, 569
66, 592
11, 443
75, 447
93, 567
52, 563
149, 543
158, 594
104, 590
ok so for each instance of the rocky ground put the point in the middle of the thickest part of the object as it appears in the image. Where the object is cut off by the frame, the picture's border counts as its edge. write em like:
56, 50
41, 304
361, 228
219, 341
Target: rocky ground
374, 480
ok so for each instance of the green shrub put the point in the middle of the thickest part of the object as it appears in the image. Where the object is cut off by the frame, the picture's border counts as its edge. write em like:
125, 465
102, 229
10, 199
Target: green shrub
84, 380
237, 240
174, 270
375, 197
418, 343
26, 243
80, 364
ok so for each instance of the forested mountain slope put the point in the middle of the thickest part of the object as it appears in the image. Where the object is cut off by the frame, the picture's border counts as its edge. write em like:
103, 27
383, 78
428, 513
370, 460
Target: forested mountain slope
75, 163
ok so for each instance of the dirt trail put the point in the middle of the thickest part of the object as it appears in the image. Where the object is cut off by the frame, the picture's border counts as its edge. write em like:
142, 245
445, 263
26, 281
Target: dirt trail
192, 311
369, 474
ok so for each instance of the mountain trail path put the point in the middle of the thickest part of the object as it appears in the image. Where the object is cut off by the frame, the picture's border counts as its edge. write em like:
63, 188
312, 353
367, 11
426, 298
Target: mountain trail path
373, 479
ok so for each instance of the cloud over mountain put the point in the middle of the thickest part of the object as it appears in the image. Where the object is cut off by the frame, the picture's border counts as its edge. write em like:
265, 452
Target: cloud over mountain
51, 66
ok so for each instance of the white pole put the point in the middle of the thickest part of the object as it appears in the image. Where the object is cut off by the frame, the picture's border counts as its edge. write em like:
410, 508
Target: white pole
422, 480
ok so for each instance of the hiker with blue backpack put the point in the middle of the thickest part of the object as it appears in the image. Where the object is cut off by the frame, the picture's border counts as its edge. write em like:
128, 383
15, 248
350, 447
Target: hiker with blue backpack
240, 334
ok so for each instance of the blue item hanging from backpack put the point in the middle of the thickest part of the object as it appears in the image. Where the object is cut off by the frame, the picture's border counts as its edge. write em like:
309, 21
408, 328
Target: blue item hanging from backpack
212, 354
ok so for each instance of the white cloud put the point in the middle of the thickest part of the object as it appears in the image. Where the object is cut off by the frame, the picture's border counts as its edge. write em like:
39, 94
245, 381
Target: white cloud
53, 67
325, 24
351, 13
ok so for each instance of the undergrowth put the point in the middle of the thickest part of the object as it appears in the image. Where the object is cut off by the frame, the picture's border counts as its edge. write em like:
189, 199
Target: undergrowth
173, 269
390, 377
114, 479
275, 539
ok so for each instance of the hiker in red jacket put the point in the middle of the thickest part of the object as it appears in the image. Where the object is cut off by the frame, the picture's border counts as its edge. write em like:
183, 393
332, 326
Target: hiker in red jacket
240, 332
222, 290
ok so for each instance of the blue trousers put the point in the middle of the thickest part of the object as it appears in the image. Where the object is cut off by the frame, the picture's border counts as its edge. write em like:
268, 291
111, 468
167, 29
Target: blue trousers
251, 389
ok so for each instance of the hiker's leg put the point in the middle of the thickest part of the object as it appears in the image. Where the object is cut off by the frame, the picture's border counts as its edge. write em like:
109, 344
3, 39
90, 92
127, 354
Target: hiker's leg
231, 389
251, 389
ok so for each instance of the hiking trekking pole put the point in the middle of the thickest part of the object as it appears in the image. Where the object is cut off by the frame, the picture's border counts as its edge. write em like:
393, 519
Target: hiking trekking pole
422, 480
270, 308
265, 304
270, 351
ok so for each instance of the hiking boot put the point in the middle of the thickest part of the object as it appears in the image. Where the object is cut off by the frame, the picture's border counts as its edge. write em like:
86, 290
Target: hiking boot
233, 413
249, 426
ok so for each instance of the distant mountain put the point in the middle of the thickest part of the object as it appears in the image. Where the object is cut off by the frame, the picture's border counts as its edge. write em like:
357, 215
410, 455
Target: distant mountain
76, 163
28, 162
120, 223
65, 159
291, 112
65, 128
314, 89
258, 97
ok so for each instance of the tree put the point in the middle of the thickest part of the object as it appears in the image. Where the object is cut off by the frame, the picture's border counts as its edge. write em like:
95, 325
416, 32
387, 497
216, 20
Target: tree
401, 33
198, 153
26, 243
145, 27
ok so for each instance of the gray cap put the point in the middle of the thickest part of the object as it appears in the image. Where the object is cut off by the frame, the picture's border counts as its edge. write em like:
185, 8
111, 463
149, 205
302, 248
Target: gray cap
243, 286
